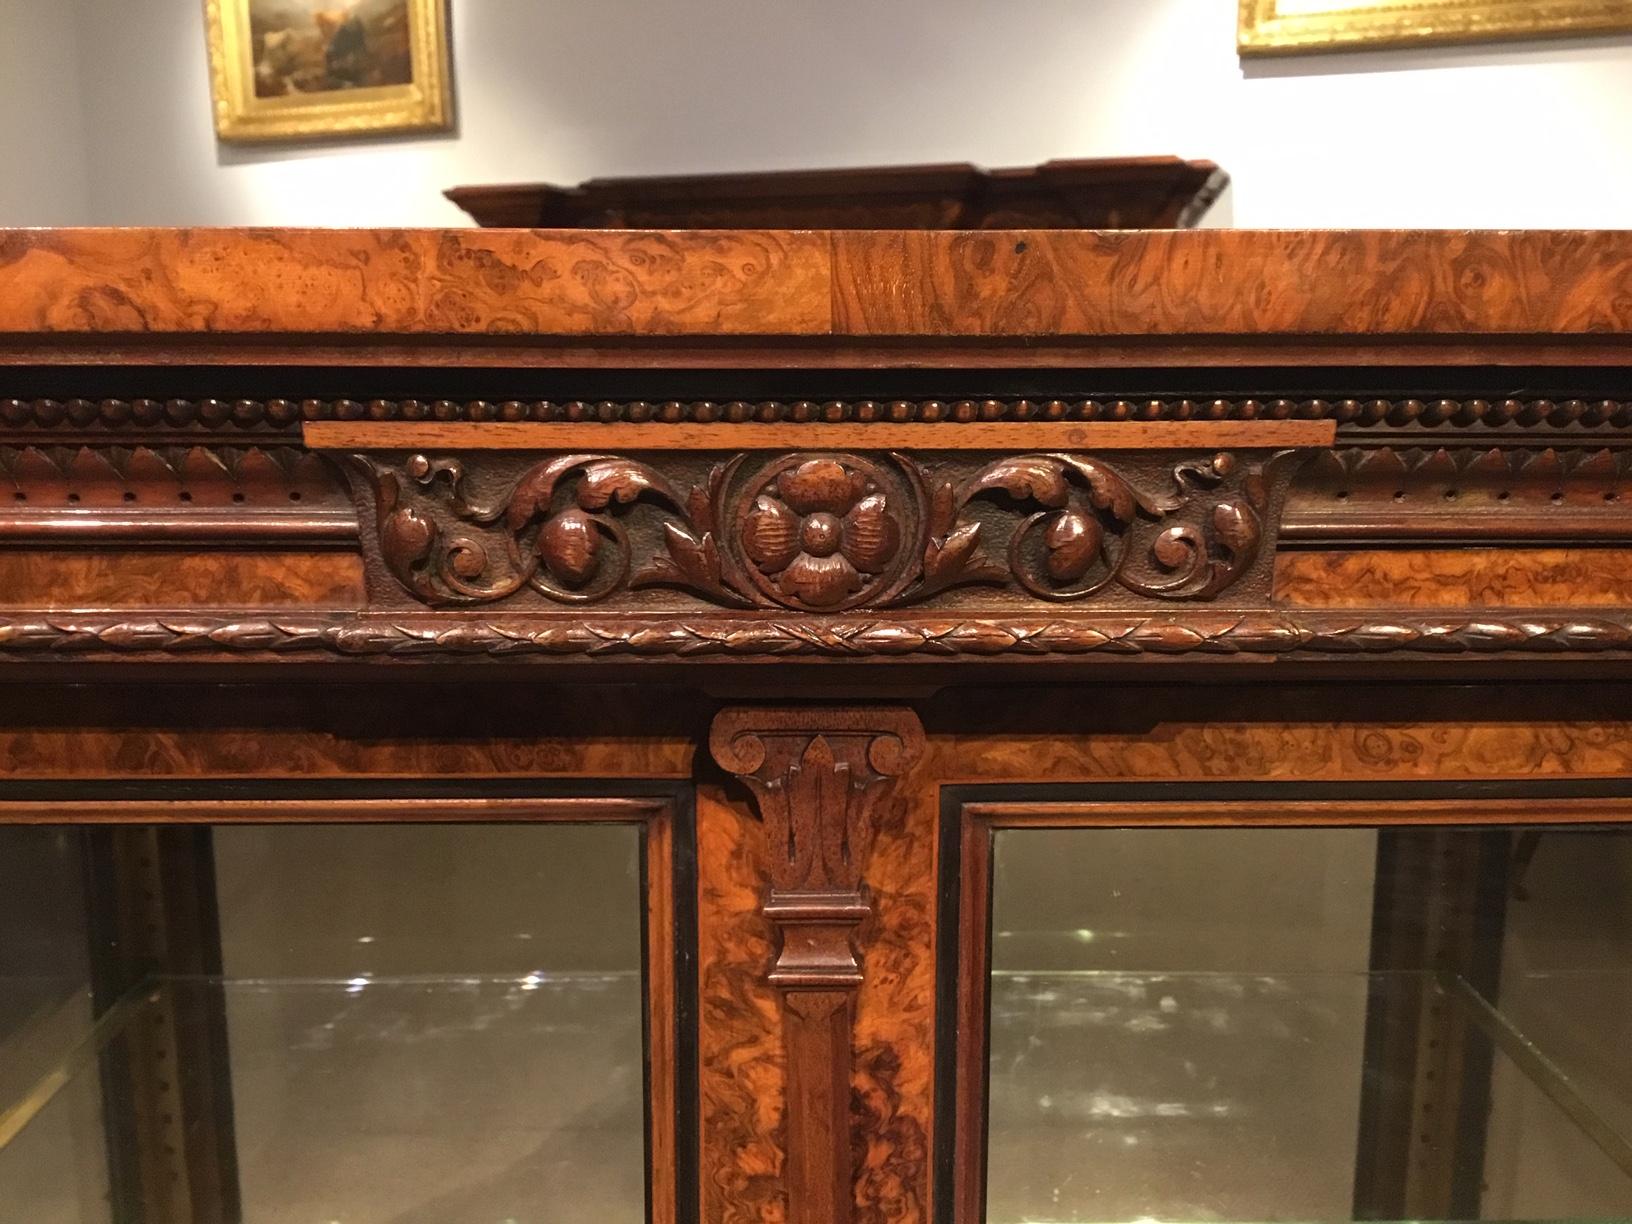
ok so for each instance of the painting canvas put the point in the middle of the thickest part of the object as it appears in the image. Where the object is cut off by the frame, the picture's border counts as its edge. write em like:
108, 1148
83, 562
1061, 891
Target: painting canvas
304, 47
289, 69
1269, 27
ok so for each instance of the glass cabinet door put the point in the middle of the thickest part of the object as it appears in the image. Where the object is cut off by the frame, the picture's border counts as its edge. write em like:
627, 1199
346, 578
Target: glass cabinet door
1369, 1022
440, 1021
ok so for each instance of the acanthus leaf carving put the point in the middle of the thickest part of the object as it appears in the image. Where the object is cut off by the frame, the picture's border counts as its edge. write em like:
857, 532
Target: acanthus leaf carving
572, 553
817, 774
1083, 538
822, 532
948, 557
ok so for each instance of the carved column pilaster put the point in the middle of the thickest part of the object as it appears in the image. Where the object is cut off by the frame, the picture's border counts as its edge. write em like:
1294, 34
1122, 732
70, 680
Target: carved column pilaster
818, 776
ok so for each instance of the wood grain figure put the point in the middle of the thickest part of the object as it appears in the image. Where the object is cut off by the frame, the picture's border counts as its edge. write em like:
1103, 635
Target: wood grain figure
1451, 578
819, 776
814, 283
412, 282
791, 531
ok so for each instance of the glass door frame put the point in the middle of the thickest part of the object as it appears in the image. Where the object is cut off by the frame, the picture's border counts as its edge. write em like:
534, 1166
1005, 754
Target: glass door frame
971, 815
664, 811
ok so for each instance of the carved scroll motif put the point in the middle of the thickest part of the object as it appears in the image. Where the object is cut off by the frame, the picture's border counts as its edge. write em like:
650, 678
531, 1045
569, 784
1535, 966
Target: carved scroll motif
818, 776
822, 532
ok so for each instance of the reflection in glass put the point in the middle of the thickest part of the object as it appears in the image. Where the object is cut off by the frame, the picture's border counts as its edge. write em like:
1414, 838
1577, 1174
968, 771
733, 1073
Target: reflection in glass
45, 1011
486, 1036
52, 1150
414, 1025
429, 1099
1310, 1025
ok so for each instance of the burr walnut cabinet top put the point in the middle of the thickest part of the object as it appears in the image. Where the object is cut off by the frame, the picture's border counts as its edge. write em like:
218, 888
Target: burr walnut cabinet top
1196, 286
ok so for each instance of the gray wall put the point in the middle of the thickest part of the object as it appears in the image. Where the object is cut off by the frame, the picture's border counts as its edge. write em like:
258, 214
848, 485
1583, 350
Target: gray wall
562, 90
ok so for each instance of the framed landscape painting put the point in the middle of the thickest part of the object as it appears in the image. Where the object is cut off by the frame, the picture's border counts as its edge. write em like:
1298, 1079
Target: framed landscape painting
1270, 27
300, 69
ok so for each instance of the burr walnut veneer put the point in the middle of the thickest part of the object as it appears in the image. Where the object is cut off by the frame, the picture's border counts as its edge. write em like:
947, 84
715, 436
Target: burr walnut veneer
842, 540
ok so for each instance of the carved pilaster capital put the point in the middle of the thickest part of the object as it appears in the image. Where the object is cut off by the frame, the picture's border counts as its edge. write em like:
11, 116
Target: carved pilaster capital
818, 775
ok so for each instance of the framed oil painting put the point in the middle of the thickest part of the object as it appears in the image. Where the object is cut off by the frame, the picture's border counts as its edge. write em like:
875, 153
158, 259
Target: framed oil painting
307, 69
1271, 27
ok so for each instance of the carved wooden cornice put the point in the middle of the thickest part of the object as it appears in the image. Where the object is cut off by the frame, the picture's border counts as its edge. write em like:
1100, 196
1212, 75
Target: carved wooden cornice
1559, 475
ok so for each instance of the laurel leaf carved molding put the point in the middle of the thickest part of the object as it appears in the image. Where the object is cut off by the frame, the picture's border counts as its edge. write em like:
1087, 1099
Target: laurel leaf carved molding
1312, 634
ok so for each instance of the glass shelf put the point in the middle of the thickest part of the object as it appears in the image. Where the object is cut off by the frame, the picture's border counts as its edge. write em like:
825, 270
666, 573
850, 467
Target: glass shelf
1117, 1096
439, 1100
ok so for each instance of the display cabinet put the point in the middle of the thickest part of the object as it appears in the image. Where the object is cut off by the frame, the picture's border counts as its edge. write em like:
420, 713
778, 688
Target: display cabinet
831, 727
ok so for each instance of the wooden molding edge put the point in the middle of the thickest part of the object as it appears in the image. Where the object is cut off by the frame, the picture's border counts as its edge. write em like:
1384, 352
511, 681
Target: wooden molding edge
883, 435
1553, 633
1511, 420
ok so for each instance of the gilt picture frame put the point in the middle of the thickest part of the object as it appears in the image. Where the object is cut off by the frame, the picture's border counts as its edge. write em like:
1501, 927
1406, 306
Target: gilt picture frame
1289, 27
291, 70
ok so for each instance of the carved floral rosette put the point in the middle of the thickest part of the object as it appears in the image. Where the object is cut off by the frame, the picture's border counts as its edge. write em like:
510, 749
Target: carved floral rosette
820, 532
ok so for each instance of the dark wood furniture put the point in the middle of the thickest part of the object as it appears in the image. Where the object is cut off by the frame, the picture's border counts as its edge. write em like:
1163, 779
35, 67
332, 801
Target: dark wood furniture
1098, 193
845, 543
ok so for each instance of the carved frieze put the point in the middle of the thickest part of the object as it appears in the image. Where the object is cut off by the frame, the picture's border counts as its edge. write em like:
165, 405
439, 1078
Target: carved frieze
821, 532
840, 552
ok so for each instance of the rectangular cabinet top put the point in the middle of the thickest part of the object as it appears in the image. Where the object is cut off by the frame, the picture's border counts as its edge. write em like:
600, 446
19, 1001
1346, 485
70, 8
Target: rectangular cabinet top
842, 285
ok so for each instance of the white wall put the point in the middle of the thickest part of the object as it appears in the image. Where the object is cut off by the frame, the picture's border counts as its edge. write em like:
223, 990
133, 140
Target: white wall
44, 177
561, 90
